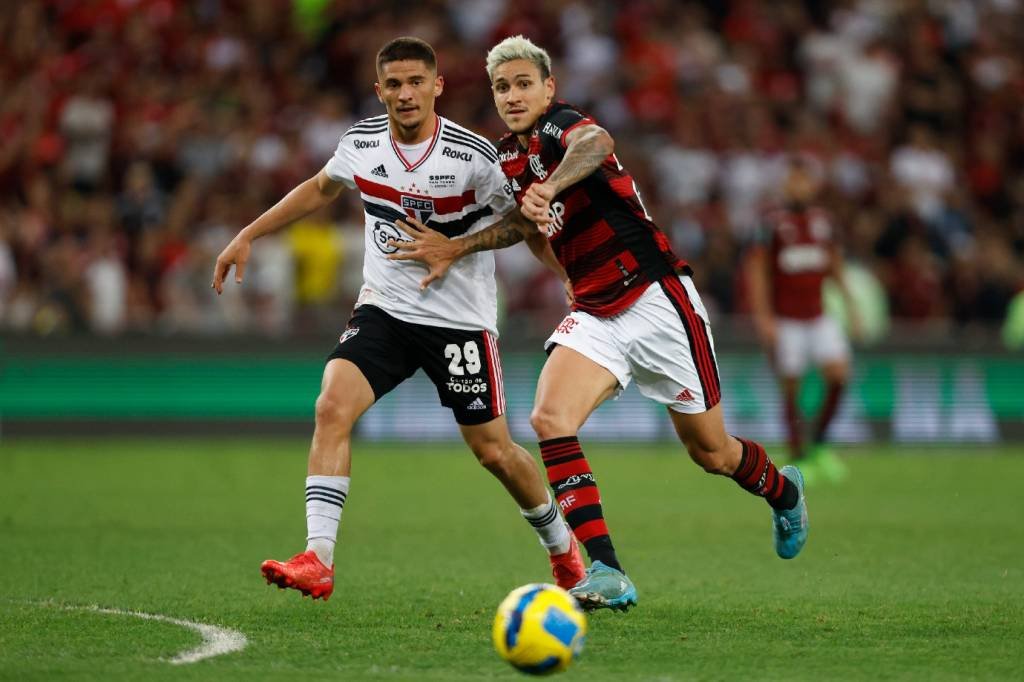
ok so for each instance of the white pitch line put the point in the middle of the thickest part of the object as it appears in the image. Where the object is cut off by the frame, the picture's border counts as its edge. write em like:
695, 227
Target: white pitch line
216, 640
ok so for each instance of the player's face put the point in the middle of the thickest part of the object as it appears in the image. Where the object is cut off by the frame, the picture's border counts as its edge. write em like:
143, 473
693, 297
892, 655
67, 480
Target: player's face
408, 89
520, 94
801, 185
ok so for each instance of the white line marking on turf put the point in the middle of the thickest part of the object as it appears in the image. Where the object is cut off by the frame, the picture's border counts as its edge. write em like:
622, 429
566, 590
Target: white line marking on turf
216, 640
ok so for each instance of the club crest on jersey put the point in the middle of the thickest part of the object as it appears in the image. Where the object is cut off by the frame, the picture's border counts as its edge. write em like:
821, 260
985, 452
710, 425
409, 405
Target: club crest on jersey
420, 208
537, 167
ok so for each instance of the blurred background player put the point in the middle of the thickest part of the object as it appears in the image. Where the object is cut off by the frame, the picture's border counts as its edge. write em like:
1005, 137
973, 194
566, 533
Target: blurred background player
798, 251
409, 160
636, 313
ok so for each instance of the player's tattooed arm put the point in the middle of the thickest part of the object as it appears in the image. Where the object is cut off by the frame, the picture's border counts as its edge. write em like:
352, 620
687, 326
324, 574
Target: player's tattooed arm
502, 234
438, 252
587, 148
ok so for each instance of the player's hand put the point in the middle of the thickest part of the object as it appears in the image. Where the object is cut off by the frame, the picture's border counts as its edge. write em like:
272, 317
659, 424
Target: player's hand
427, 246
536, 204
236, 253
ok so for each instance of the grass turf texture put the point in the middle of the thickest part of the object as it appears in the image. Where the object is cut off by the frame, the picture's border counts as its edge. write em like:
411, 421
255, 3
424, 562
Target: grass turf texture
914, 568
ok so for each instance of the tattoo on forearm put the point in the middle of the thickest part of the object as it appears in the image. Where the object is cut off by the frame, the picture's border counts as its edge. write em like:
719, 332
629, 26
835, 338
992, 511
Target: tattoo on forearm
500, 235
584, 156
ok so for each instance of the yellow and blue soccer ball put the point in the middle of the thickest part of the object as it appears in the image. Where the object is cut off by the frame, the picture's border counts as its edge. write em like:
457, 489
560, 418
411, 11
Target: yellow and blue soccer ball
539, 629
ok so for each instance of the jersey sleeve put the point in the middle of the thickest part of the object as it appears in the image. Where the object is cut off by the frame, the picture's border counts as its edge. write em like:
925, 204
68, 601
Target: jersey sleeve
492, 188
558, 124
341, 166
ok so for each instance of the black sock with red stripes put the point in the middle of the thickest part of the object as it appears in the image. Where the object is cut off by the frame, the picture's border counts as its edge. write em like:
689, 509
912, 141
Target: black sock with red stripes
757, 474
576, 490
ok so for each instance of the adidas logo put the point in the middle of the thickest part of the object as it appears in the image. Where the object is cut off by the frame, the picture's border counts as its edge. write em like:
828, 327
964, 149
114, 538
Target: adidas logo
685, 396
476, 405
379, 171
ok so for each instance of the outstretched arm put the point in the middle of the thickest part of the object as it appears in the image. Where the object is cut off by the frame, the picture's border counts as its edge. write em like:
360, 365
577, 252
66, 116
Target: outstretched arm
309, 196
587, 148
438, 252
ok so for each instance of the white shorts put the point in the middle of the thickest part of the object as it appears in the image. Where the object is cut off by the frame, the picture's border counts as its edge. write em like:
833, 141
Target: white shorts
663, 341
803, 342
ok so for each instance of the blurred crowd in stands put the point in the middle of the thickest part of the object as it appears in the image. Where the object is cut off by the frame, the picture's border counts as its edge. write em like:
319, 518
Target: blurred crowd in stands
137, 136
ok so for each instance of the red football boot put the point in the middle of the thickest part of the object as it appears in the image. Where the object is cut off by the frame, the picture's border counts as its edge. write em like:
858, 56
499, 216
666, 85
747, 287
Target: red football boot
303, 572
568, 568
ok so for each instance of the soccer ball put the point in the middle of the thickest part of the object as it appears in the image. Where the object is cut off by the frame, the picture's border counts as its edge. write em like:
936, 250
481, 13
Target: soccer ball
539, 629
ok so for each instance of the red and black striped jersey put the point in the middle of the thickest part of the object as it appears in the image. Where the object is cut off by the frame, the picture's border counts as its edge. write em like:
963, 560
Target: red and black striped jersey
600, 230
799, 243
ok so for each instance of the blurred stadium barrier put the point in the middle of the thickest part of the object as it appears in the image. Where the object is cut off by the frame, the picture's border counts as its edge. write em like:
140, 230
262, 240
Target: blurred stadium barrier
896, 395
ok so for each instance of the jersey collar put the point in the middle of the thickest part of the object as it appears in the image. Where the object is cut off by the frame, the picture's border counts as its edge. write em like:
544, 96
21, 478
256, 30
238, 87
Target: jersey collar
413, 165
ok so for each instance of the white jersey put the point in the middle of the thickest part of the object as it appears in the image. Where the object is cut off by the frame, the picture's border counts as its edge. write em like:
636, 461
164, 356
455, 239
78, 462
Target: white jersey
456, 188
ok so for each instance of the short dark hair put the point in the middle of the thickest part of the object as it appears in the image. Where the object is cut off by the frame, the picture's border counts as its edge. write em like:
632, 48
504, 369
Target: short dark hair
404, 48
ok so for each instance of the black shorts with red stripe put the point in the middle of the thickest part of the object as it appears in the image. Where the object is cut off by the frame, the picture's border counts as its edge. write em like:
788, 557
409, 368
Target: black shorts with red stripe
463, 365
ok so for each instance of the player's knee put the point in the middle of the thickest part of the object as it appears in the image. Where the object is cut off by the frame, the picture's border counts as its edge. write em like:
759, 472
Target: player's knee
494, 456
550, 423
333, 413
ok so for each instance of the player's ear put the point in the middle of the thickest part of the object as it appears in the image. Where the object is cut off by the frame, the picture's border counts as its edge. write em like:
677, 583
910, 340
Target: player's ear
376, 88
438, 86
549, 87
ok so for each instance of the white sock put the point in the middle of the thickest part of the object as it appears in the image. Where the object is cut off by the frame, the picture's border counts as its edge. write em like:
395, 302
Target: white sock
552, 530
325, 498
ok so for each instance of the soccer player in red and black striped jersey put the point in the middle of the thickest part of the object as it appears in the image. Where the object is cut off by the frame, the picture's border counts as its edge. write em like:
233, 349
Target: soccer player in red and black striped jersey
636, 314
798, 250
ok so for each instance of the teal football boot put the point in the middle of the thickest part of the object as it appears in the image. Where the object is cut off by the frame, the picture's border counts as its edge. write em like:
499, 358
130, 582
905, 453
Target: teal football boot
604, 588
789, 526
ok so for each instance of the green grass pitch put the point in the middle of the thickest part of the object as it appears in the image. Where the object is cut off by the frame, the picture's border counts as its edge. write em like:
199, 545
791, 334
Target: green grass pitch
914, 568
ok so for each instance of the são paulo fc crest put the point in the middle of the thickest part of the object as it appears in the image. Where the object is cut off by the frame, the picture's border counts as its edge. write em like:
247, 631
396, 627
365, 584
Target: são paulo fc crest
420, 208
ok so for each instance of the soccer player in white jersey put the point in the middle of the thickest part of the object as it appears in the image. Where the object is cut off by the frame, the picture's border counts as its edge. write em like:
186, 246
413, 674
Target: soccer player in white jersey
409, 162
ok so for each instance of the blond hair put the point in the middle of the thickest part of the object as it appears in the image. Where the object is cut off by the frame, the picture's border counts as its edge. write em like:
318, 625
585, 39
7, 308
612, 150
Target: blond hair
518, 47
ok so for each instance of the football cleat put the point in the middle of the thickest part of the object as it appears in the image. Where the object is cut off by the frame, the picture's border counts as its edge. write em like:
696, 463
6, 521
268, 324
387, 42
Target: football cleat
303, 572
568, 568
603, 587
789, 526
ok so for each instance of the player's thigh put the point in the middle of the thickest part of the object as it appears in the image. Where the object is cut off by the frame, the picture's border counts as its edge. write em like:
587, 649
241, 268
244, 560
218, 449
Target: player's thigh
491, 436
585, 366
793, 349
671, 349
345, 394
465, 367
377, 346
